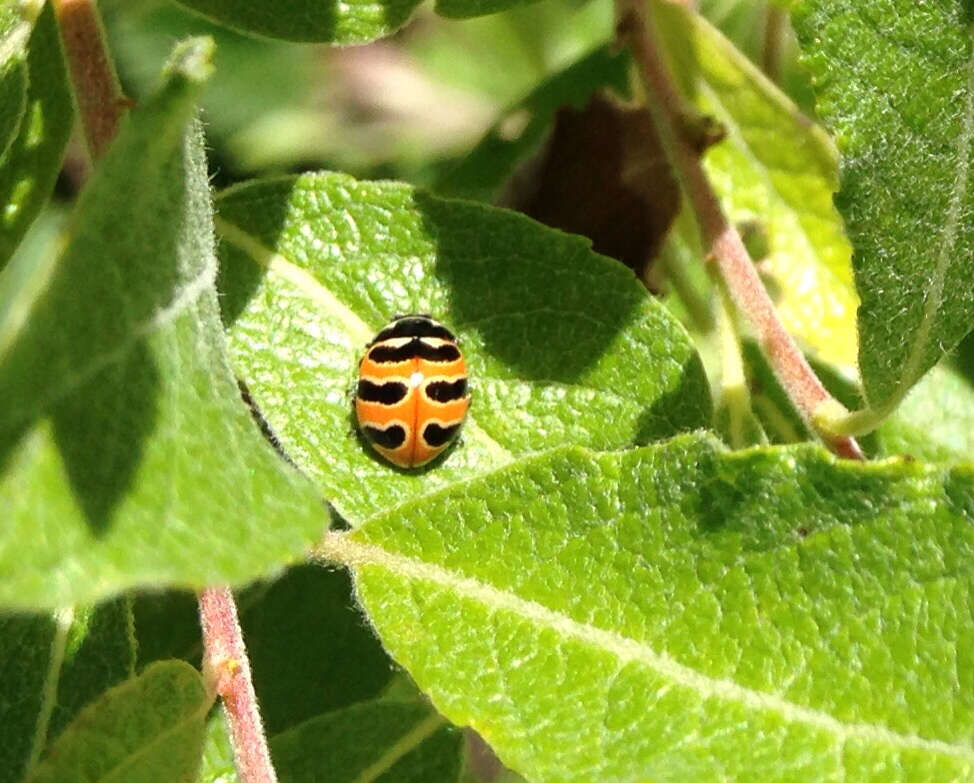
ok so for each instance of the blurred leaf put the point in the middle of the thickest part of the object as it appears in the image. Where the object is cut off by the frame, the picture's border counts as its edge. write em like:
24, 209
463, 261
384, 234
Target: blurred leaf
380, 741
110, 411
149, 729
53, 666
16, 21
678, 612
604, 175
520, 132
895, 80
563, 345
256, 82
777, 169
309, 20
462, 9
30, 165
936, 420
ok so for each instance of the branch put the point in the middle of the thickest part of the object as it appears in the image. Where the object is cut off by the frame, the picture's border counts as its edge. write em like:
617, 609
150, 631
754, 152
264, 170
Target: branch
101, 102
718, 237
227, 670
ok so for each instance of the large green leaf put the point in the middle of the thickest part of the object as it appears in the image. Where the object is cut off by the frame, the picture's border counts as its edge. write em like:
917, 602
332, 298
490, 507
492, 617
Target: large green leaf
32, 160
54, 665
149, 729
126, 456
777, 169
678, 612
309, 20
895, 81
563, 345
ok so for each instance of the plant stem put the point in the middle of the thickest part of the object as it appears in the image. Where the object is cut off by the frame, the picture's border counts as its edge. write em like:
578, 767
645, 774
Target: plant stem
101, 102
719, 238
227, 670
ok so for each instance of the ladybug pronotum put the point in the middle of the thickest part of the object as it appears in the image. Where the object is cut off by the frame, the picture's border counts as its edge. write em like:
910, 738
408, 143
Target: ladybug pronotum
412, 390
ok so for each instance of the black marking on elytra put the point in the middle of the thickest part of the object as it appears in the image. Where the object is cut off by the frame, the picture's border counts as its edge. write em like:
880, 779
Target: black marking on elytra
446, 391
415, 348
414, 326
388, 393
389, 438
436, 436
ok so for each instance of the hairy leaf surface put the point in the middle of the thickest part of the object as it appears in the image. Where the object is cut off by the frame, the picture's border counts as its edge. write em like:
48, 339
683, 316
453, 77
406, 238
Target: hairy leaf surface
679, 612
563, 345
126, 456
895, 82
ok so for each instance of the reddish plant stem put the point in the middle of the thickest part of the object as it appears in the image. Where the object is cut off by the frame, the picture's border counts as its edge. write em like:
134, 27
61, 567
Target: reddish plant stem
101, 102
721, 240
227, 670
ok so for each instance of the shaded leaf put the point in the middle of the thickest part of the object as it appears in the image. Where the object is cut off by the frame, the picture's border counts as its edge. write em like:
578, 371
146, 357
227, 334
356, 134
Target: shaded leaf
53, 666
117, 390
310, 652
31, 163
776, 169
563, 345
679, 612
149, 729
895, 81
380, 741
309, 20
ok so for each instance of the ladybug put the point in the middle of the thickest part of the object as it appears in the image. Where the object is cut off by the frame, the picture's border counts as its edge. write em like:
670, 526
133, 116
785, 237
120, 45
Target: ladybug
412, 390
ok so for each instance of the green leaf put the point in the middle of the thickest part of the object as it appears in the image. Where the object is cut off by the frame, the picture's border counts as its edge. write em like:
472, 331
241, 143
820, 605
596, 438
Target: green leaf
777, 169
309, 650
936, 420
895, 81
380, 740
563, 345
519, 133
309, 20
30, 165
16, 21
149, 729
678, 612
126, 456
464, 9
53, 666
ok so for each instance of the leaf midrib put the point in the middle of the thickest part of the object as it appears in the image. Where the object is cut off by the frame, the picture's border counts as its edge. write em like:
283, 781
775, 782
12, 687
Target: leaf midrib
344, 548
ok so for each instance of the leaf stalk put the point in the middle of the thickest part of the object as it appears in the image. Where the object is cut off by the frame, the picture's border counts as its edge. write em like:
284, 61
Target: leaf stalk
226, 670
101, 102
719, 238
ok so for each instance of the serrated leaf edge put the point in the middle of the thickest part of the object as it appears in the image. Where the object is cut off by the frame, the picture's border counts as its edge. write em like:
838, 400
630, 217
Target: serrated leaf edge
343, 548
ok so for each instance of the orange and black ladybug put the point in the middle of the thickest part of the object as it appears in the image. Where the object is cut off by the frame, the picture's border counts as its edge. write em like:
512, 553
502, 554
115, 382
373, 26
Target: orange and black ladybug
412, 390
